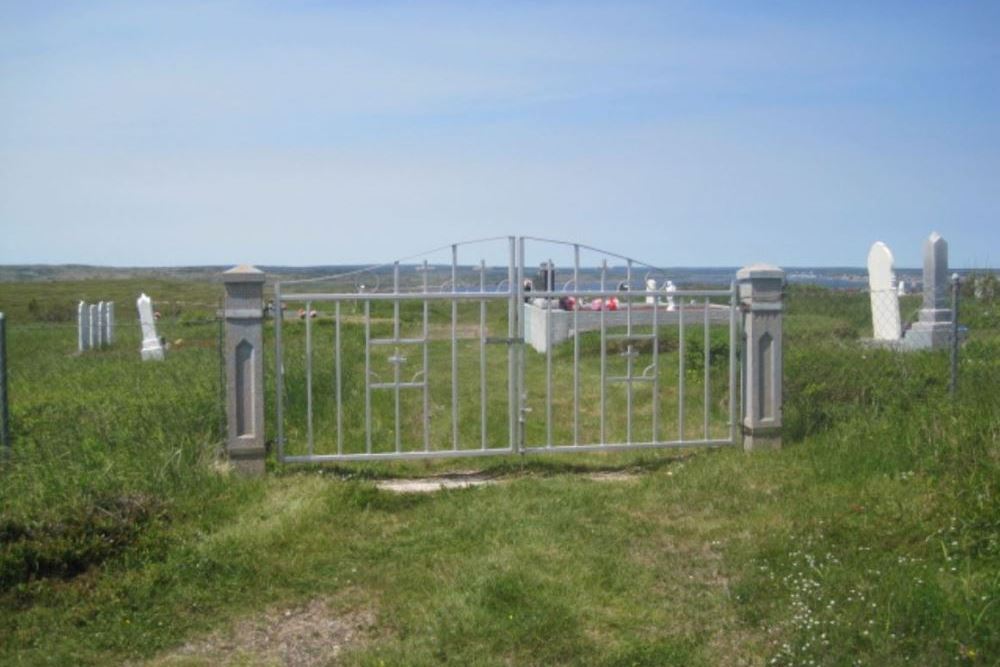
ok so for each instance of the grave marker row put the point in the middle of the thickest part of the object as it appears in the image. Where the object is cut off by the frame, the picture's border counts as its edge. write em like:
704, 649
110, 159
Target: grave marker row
95, 325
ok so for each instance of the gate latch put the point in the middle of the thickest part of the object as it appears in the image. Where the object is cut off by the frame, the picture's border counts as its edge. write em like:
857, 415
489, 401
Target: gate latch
503, 341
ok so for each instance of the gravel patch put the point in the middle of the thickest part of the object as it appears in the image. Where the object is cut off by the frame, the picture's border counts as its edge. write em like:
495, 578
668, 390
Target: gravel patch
304, 636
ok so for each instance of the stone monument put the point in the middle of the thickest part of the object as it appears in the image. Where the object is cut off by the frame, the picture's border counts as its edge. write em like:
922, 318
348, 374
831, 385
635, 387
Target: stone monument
884, 295
151, 346
651, 287
102, 315
83, 327
934, 326
109, 322
94, 325
670, 289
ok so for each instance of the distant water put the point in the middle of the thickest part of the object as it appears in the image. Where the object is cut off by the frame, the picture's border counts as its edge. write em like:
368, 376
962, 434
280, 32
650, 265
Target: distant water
841, 278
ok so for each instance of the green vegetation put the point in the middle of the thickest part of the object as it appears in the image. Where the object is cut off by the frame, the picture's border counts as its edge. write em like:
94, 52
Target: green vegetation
872, 537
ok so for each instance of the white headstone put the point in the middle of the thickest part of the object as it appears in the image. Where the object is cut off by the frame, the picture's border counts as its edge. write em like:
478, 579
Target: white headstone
934, 327
151, 347
902, 288
884, 294
110, 316
670, 289
102, 316
82, 327
650, 287
92, 324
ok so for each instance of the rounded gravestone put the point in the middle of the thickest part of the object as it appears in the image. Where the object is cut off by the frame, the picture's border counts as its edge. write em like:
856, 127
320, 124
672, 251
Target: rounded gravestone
883, 292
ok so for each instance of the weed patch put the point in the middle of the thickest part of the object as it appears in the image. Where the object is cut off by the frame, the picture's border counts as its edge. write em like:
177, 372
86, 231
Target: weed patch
68, 546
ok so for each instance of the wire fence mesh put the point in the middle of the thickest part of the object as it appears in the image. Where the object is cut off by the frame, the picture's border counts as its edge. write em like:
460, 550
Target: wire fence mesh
846, 348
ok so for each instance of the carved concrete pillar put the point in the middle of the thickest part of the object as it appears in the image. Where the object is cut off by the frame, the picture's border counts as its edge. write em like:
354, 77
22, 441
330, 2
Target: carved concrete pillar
761, 287
245, 368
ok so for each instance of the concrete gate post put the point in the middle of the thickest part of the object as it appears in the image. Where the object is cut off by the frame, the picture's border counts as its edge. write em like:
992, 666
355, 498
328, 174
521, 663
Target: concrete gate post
244, 361
761, 288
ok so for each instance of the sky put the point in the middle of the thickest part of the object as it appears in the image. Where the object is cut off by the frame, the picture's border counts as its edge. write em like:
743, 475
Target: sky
312, 133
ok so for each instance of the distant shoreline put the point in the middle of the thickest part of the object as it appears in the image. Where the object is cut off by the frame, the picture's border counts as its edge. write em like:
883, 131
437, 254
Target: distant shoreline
841, 277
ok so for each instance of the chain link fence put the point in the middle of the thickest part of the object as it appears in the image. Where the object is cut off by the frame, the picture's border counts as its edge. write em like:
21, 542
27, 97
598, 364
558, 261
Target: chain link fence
850, 348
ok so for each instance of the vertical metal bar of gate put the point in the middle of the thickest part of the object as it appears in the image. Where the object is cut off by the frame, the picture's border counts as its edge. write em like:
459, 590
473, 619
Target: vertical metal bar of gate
656, 367
309, 383
279, 369
368, 380
512, 319
628, 352
522, 398
338, 388
708, 365
426, 373
549, 286
680, 377
604, 349
397, 356
576, 345
733, 302
482, 353
454, 349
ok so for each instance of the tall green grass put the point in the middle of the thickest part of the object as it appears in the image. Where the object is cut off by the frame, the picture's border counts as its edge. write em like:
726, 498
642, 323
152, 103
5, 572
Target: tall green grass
872, 537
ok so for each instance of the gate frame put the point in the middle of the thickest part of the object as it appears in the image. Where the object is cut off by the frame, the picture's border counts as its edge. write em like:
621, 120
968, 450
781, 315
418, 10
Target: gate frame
757, 293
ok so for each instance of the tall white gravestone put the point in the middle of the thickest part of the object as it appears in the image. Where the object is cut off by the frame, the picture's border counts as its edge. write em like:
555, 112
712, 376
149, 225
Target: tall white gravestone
934, 327
651, 287
151, 346
109, 322
92, 324
883, 292
83, 327
102, 316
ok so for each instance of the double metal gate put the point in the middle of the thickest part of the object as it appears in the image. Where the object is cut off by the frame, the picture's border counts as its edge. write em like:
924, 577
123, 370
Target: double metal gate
434, 356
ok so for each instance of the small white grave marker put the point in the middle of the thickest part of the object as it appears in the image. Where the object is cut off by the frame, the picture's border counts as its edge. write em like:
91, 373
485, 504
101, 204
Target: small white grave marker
670, 289
884, 295
151, 346
92, 321
102, 315
109, 322
83, 327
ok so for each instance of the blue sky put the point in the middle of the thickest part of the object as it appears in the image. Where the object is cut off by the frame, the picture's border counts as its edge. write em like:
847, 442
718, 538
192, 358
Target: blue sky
686, 134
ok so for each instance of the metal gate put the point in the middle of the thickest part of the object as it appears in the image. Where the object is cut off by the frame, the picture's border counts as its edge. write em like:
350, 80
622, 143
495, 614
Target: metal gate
439, 356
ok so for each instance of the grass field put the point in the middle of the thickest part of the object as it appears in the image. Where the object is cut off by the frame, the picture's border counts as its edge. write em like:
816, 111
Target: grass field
873, 537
